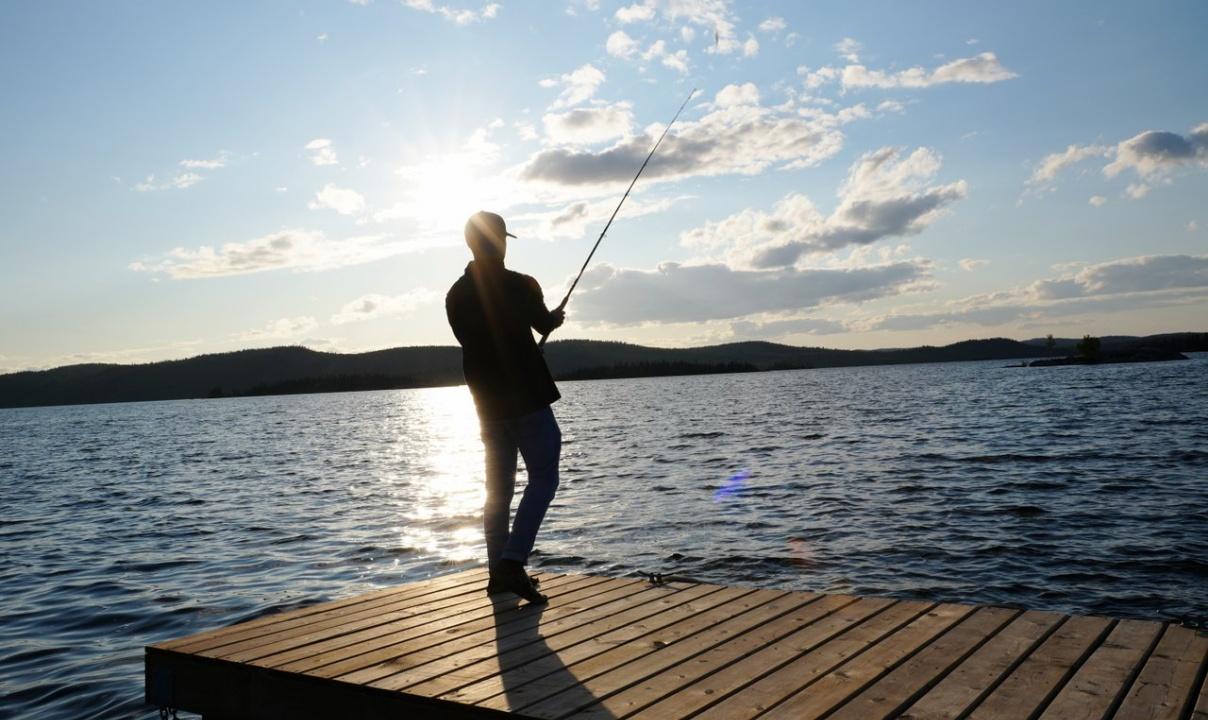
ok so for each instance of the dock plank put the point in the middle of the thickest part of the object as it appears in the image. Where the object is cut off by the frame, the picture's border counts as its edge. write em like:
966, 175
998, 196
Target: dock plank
538, 681
553, 638
784, 631
608, 683
448, 597
519, 687
204, 639
869, 621
627, 648
1166, 685
966, 685
889, 695
413, 667
1028, 688
1102, 681
844, 682
411, 635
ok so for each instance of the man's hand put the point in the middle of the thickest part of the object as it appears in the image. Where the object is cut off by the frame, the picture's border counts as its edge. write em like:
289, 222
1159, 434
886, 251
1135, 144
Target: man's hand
559, 316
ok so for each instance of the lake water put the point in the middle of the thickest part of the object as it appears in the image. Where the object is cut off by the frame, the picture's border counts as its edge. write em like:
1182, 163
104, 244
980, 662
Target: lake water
1072, 489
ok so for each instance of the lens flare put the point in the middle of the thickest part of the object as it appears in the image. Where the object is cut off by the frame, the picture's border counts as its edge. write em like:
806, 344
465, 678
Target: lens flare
733, 486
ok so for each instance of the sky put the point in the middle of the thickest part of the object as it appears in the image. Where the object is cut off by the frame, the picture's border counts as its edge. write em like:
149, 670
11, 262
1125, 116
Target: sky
187, 178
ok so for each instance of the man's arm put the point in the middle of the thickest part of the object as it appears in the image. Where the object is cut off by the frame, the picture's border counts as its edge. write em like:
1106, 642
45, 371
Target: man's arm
541, 318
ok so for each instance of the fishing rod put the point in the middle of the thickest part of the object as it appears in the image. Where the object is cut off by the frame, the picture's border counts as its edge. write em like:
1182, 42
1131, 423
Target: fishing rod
562, 305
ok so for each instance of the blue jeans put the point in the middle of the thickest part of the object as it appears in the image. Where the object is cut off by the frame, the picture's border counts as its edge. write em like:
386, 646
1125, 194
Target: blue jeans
537, 438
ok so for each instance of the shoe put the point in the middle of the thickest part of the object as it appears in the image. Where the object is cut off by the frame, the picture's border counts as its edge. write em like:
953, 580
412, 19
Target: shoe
509, 576
495, 587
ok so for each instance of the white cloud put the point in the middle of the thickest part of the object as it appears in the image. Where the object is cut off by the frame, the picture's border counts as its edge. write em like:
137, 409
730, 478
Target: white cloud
1192, 226
1153, 156
459, 16
321, 37
637, 12
1136, 191
1154, 152
301, 250
1097, 200
674, 293
687, 34
322, 152
373, 305
750, 48
746, 139
1117, 285
279, 329
572, 220
1052, 164
587, 126
983, 68
620, 45
212, 164
342, 200
849, 49
771, 329
971, 264
179, 181
577, 86
731, 95
885, 195
773, 25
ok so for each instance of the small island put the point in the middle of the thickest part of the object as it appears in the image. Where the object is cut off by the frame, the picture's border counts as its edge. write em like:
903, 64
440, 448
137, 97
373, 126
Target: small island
1089, 351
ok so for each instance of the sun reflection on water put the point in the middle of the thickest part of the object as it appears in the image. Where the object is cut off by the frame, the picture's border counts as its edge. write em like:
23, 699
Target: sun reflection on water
437, 431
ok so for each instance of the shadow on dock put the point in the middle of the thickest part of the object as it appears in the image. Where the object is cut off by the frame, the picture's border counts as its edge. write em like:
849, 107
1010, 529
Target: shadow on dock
514, 676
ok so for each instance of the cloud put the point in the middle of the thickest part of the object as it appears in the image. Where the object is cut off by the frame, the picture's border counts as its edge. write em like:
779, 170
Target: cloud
750, 48
1136, 191
620, 45
849, 49
1152, 156
635, 13
677, 60
1118, 285
1145, 273
971, 264
772, 25
1192, 226
179, 181
1097, 200
743, 140
459, 16
212, 164
1154, 152
693, 293
731, 95
780, 328
283, 328
577, 86
572, 220
301, 250
587, 126
983, 68
371, 306
885, 195
322, 152
1052, 164
342, 200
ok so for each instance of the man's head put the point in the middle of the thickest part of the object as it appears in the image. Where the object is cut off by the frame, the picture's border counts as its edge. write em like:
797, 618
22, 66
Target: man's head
487, 235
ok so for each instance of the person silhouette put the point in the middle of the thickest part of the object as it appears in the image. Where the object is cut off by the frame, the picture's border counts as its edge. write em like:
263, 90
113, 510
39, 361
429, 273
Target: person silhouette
493, 311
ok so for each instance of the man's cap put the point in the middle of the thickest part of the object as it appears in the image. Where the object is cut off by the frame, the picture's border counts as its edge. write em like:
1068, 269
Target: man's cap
489, 224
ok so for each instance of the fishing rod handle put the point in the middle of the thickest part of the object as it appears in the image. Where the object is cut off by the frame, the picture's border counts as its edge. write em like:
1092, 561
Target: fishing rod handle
545, 336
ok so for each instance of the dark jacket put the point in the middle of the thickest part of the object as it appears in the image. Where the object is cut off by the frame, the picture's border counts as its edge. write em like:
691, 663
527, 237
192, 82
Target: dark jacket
493, 312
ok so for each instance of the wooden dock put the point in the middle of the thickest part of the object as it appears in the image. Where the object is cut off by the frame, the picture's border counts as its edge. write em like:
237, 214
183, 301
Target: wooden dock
626, 648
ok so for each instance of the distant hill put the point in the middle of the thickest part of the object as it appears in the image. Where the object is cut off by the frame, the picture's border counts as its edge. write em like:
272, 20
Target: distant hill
283, 370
